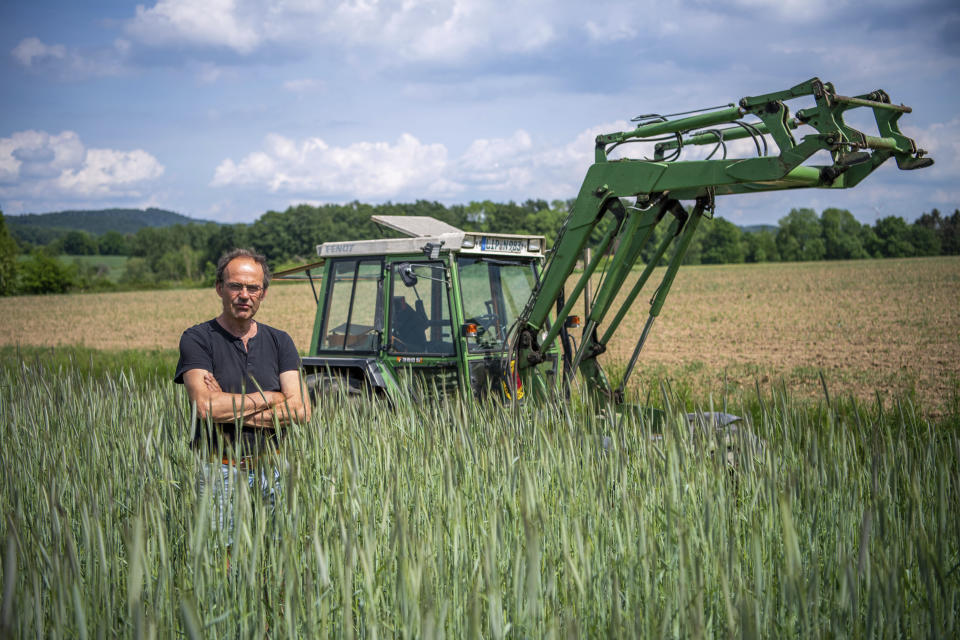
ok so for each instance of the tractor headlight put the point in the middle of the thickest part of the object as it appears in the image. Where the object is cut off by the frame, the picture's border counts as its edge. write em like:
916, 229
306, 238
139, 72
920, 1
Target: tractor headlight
468, 242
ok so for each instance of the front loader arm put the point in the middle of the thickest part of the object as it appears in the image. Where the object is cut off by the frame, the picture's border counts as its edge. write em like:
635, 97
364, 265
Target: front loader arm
657, 185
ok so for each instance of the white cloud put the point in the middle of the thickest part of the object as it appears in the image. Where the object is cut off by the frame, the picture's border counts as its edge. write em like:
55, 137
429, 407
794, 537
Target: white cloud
501, 164
36, 155
560, 169
941, 140
613, 21
105, 170
38, 165
451, 30
440, 30
360, 170
512, 167
72, 64
405, 169
32, 49
520, 167
484, 152
211, 22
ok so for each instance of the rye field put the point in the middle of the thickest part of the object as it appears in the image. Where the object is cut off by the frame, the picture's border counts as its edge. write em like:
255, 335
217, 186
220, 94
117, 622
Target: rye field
829, 513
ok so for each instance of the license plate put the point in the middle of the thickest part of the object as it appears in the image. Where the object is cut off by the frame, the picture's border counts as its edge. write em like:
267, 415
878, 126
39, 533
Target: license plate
501, 244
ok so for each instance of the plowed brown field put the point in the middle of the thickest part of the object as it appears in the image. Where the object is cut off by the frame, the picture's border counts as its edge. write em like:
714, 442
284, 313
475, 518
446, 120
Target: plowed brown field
877, 325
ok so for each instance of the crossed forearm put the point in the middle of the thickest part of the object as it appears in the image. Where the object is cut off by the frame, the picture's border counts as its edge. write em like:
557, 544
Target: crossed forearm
226, 407
259, 409
284, 412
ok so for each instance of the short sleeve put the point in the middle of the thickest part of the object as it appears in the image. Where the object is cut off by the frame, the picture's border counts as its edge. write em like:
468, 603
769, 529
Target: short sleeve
289, 359
194, 354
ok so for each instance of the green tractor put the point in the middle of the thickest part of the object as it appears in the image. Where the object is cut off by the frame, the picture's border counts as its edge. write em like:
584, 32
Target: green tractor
433, 310
491, 314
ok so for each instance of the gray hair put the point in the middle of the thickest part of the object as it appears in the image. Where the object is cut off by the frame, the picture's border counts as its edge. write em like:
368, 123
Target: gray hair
233, 254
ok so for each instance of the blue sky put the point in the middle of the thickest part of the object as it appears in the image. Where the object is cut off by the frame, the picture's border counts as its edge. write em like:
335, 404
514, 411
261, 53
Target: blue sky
225, 109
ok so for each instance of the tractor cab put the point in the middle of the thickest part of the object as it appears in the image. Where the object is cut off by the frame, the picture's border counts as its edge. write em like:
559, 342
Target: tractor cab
435, 309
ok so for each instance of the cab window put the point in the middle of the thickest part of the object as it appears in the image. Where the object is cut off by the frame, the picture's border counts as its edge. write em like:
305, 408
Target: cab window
353, 305
494, 292
419, 320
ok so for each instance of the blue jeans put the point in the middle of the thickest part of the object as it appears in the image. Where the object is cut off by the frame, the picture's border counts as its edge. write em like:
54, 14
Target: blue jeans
223, 479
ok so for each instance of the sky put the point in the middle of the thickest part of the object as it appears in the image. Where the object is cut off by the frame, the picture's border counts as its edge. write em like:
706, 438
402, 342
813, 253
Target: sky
225, 109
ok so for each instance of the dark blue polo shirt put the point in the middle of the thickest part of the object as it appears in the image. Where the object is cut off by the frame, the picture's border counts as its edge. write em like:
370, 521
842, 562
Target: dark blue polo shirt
237, 370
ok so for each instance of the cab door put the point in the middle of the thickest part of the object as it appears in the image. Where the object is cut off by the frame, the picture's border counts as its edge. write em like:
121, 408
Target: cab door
494, 291
420, 342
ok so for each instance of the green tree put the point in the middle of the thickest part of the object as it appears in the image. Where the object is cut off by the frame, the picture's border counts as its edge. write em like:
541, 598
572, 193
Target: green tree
925, 241
547, 222
180, 264
761, 246
946, 229
931, 220
722, 243
41, 273
509, 217
893, 237
800, 236
870, 241
223, 238
841, 235
76, 243
950, 236
8, 260
113, 243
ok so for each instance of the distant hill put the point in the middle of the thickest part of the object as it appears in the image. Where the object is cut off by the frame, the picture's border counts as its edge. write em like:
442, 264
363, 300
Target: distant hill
43, 228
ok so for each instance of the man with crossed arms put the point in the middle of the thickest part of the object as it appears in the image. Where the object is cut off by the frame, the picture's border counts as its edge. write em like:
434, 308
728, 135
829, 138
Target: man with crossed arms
243, 376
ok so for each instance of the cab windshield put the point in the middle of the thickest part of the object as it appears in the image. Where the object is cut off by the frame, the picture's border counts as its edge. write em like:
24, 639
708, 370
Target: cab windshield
494, 292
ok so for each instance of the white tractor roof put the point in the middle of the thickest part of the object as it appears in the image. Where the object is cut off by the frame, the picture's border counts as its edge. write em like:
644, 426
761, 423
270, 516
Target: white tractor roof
416, 226
424, 230
388, 245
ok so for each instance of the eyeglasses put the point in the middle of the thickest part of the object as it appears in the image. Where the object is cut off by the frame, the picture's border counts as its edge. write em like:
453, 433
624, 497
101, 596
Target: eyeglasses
237, 287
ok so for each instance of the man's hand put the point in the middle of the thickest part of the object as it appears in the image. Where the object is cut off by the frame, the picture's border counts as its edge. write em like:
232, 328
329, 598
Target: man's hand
290, 404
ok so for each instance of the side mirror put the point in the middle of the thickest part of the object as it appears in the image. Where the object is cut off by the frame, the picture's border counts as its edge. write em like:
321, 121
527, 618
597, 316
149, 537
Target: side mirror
405, 269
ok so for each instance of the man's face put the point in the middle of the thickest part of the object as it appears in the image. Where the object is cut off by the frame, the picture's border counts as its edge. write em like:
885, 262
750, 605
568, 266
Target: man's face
239, 302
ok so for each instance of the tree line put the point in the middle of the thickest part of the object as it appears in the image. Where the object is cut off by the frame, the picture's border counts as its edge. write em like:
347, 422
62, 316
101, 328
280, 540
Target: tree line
186, 254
